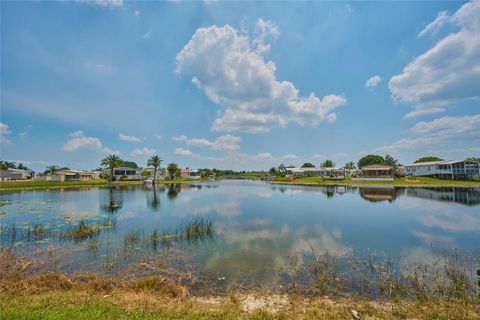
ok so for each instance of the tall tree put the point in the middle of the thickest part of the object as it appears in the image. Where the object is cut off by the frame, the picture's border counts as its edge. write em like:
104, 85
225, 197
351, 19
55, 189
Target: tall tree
308, 165
129, 164
52, 169
350, 165
428, 159
327, 164
155, 161
111, 162
391, 161
473, 159
172, 170
272, 170
7, 165
22, 167
282, 168
370, 159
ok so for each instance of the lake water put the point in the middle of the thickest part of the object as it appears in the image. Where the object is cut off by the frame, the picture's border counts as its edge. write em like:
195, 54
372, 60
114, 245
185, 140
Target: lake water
259, 227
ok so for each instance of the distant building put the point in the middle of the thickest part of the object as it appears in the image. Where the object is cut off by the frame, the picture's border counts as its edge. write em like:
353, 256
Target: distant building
314, 172
125, 173
161, 172
451, 169
15, 174
71, 175
190, 173
375, 172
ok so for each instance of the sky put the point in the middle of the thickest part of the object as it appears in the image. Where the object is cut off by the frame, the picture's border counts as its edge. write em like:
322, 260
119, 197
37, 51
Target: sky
238, 85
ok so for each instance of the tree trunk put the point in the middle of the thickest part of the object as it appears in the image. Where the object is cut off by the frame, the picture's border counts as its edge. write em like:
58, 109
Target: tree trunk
111, 175
154, 175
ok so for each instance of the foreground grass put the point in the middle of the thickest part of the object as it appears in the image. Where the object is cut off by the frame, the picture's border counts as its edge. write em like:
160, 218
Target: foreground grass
147, 304
405, 181
32, 184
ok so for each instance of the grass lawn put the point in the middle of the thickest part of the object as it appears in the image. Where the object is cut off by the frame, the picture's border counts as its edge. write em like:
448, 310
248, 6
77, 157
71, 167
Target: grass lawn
84, 304
32, 184
405, 181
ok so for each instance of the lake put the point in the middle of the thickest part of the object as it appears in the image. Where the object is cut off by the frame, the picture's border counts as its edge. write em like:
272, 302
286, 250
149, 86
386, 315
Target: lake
246, 232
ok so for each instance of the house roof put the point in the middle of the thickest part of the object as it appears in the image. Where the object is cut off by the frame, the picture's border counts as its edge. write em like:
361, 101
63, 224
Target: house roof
432, 163
185, 170
374, 167
72, 172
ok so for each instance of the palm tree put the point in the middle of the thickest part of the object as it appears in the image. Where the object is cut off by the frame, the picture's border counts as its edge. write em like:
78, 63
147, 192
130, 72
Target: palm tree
282, 168
155, 161
111, 162
350, 165
52, 169
172, 170
327, 164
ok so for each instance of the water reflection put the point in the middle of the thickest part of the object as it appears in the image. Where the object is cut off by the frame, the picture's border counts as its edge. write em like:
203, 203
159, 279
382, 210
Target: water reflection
112, 200
467, 196
377, 194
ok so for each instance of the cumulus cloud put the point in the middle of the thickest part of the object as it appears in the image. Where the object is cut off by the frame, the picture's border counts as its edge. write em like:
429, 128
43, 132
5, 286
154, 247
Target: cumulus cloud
263, 155
434, 135
447, 73
143, 152
158, 136
224, 143
125, 137
373, 82
180, 138
183, 152
79, 141
233, 72
4, 134
24, 134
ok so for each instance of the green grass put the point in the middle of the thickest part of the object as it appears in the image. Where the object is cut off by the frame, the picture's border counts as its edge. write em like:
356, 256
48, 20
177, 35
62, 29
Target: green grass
405, 181
149, 305
32, 184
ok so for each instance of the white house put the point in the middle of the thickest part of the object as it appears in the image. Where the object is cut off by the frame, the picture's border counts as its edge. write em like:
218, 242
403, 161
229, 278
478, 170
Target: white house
15, 174
71, 175
313, 172
450, 169
125, 173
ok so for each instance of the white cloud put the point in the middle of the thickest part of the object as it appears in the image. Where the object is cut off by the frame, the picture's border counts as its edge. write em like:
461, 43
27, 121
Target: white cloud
432, 136
433, 27
233, 72
105, 3
264, 155
373, 82
78, 141
290, 157
158, 136
24, 134
447, 73
183, 152
180, 138
225, 143
136, 13
125, 137
143, 152
4, 134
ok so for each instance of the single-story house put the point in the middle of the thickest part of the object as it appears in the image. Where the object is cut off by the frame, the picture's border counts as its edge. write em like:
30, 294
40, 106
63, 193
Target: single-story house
314, 172
450, 169
190, 173
125, 173
15, 174
72, 175
375, 172
161, 172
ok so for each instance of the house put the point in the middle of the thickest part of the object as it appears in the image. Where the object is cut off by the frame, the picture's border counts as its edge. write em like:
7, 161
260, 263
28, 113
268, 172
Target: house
161, 173
375, 172
450, 169
71, 175
314, 172
15, 174
190, 173
125, 173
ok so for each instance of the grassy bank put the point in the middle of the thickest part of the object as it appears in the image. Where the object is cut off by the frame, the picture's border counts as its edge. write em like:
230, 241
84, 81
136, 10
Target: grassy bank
29, 184
148, 304
403, 182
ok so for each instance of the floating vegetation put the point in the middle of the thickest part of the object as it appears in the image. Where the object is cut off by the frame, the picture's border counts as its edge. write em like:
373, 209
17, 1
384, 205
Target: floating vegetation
84, 230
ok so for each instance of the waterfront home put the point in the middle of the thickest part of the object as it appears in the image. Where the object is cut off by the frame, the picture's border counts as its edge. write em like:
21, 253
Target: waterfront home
190, 173
71, 175
450, 169
15, 174
125, 173
375, 172
314, 172
161, 173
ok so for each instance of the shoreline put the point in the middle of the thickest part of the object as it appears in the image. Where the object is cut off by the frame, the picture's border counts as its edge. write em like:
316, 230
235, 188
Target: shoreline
373, 184
16, 185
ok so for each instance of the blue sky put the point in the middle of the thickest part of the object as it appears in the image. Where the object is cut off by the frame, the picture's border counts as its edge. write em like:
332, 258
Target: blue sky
238, 85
